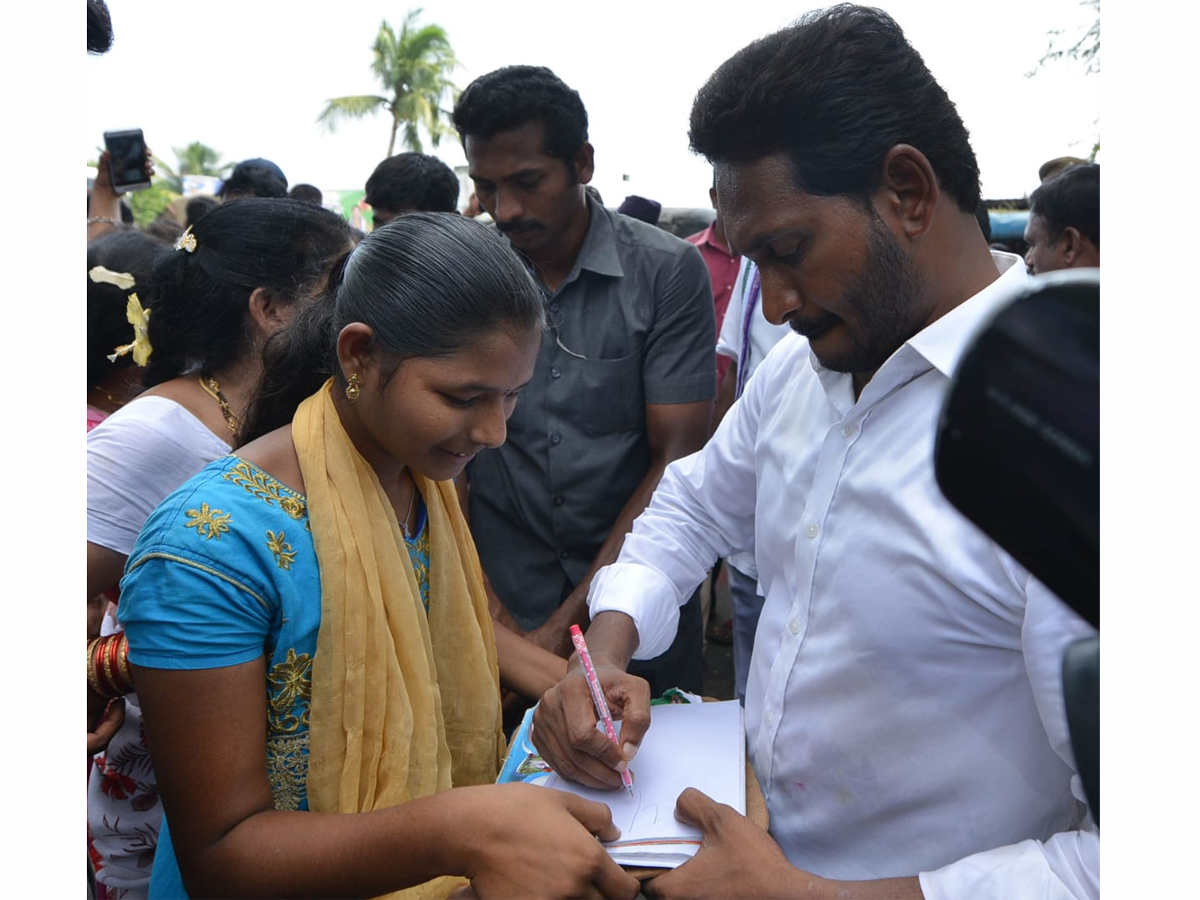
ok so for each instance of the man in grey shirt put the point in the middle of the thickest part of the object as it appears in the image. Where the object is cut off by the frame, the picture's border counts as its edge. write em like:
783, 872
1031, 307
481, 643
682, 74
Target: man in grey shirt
624, 381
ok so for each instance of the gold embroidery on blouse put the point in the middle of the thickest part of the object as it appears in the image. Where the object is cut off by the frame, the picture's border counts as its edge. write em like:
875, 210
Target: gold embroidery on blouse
293, 507
418, 553
289, 684
287, 768
209, 523
281, 549
264, 487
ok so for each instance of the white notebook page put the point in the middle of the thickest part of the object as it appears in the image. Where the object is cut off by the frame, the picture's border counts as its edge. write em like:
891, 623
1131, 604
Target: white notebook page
700, 745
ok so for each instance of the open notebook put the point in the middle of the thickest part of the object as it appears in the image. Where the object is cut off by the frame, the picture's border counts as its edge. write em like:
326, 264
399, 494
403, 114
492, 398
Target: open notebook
700, 745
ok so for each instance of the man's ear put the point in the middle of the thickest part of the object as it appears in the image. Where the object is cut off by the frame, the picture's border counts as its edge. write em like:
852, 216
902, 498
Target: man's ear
908, 190
584, 163
1072, 244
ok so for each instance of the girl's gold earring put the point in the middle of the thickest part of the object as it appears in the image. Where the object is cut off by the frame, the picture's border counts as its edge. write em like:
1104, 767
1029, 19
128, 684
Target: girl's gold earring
353, 387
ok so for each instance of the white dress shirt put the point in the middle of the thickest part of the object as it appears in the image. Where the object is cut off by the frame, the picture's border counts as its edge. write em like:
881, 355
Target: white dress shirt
904, 709
747, 333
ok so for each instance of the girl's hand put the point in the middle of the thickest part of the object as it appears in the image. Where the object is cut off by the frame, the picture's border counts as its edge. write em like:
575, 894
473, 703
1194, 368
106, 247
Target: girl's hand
528, 841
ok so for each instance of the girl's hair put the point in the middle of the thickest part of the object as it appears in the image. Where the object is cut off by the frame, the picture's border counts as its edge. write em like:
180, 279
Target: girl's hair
128, 252
428, 284
201, 298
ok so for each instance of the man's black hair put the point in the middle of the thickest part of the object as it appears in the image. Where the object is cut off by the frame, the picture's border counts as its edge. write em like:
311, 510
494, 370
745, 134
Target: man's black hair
984, 218
1070, 199
516, 95
834, 92
413, 182
255, 178
99, 27
307, 193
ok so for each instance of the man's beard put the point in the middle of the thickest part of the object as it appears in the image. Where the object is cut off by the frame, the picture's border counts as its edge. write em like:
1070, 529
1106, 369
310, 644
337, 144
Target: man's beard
885, 299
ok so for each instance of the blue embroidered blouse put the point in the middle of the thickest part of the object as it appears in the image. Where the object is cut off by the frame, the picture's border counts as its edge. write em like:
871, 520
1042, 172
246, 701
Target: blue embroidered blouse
224, 572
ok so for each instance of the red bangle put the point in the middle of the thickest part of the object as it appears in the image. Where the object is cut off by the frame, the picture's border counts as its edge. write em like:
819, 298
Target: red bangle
109, 673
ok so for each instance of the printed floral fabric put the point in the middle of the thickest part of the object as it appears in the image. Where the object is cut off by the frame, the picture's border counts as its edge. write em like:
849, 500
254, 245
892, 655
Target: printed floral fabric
123, 808
124, 812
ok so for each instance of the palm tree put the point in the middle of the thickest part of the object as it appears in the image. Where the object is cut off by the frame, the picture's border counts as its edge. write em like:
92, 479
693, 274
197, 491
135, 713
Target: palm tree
414, 67
194, 159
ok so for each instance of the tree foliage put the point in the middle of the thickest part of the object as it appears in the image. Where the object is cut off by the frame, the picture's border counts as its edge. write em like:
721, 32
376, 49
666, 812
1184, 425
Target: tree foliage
1083, 48
149, 204
414, 67
195, 159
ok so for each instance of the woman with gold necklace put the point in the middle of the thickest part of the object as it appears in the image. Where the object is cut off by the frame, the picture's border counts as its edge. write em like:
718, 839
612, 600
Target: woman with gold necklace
199, 325
307, 621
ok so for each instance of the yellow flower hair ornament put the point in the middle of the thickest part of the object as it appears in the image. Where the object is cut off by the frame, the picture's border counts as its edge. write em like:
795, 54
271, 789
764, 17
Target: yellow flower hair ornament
187, 241
101, 275
140, 320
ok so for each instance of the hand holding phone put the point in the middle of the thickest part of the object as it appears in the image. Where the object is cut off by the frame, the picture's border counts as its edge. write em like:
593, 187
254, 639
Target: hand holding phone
128, 160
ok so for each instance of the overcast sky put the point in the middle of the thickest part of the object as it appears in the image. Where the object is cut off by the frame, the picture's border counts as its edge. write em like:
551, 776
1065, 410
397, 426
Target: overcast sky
249, 79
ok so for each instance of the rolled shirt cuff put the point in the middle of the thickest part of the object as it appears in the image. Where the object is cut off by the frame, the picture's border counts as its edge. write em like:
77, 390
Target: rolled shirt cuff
1025, 869
646, 596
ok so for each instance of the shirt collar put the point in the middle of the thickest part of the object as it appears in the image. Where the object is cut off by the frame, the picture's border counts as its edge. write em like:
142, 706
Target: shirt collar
599, 251
940, 345
944, 341
709, 236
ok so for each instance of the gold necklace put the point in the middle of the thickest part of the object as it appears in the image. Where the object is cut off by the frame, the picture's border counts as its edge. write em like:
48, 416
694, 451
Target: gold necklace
411, 502
214, 390
111, 399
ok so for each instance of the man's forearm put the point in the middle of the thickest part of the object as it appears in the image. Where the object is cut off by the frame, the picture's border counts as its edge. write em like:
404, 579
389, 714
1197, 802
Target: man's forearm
499, 612
612, 640
574, 609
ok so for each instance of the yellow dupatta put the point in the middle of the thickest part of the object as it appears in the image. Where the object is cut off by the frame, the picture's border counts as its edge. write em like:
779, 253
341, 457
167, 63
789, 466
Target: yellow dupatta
404, 704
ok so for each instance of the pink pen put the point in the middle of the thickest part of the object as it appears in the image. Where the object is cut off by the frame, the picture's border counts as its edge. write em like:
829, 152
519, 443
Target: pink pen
598, 698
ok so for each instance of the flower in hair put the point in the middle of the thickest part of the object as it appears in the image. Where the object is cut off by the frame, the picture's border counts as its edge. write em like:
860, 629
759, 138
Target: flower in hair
187, 241
140, 320
101, 275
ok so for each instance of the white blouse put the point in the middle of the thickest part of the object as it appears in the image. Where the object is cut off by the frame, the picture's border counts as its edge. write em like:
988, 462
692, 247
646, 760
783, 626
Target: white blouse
137, 456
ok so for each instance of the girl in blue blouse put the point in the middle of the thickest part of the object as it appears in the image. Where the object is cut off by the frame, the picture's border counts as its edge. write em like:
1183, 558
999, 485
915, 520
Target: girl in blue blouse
322, 582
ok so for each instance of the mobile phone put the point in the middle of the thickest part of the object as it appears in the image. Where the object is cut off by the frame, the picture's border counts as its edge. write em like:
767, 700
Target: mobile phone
127, 160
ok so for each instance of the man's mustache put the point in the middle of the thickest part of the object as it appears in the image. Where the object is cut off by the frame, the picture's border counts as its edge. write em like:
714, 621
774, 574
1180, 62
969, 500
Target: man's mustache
518, 226
812, 328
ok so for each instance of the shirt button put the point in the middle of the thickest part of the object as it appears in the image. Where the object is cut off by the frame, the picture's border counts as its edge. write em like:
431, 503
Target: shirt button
559, 501
769, 718
794, 626
563, 555
812, 530
555, 372
553, 307
848, 431
556, 438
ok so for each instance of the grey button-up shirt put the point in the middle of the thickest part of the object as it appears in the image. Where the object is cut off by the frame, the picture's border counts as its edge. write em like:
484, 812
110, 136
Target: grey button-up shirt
632, 324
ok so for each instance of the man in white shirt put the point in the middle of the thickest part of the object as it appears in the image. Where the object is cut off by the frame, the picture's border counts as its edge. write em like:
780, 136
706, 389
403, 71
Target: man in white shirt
904, 709
745, 339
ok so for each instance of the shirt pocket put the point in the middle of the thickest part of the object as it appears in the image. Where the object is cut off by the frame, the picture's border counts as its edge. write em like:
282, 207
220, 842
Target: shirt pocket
613, 399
